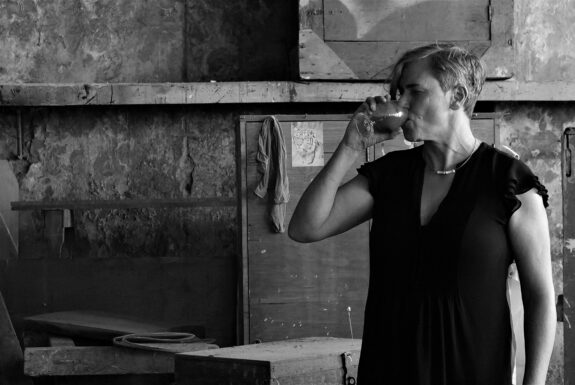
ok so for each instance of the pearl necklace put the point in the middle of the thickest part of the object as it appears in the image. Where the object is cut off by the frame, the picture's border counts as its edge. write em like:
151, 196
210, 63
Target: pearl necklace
453, 170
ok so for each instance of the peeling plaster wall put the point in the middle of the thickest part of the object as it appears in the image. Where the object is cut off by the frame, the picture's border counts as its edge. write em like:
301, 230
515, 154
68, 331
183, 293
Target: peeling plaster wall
545, 40
91, 41
534, 131
169, 264
45, 41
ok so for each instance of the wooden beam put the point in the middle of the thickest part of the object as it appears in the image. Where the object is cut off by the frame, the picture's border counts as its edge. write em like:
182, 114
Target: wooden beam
95, 360
122, 204
248, 92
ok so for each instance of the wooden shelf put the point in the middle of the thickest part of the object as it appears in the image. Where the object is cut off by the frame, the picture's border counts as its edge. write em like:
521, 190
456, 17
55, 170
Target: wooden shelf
30, 94
122, 204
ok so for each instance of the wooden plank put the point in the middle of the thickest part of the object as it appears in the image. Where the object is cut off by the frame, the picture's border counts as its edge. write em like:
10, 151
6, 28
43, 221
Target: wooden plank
375, 60
267, 92
95, 360
60, 341
374, 20
500, 57
318, 61
9, 191
568, 170
311, 15
122, 204
243, 306
91, 324
11, 359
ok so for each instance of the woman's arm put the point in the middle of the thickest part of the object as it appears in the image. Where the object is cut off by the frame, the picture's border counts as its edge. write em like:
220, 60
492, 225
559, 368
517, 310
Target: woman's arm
529, 235
326, 208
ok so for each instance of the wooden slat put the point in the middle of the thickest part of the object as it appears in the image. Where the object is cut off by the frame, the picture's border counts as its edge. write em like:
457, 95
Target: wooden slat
374, 20
243, 311
375, 60
568, 169
95, 360
500, 58
90, 324
122, 204
259, 92
311, 15
60, 341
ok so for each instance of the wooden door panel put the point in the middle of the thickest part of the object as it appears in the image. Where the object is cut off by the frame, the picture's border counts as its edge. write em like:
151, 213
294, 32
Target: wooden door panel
301, 290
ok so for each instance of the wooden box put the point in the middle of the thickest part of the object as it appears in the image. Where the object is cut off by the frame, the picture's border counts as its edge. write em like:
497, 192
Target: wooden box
305, 361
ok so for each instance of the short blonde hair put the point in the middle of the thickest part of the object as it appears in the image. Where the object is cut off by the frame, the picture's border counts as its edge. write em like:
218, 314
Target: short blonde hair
451, 65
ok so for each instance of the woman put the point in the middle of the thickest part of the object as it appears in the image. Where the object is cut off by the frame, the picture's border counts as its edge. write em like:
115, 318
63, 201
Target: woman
448, 219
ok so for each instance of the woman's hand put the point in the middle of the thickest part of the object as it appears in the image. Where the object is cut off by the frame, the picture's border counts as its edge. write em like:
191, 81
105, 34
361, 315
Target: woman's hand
360, 134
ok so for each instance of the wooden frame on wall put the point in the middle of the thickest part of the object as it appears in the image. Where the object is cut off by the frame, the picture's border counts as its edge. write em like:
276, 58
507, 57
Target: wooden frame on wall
325, 54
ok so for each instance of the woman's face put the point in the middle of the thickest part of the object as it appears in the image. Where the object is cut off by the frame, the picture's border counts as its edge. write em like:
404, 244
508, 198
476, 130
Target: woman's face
426, 103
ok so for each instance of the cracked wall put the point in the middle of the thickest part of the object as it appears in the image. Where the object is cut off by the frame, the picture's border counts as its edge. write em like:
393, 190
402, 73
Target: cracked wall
534, 130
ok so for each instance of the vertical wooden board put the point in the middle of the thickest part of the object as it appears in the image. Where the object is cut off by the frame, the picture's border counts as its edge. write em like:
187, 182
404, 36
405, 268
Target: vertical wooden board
374, 20
500, 58
568, 168
298, 290
9, 192
311, 15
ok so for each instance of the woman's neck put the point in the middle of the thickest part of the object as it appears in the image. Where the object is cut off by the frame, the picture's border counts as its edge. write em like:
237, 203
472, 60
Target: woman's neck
447, 153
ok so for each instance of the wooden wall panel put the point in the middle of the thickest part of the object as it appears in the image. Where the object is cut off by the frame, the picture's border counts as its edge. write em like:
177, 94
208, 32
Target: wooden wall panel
365, 37
301, 290
375, 20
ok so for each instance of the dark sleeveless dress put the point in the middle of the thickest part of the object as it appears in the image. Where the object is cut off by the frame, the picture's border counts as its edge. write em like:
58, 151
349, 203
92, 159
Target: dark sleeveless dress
437, 311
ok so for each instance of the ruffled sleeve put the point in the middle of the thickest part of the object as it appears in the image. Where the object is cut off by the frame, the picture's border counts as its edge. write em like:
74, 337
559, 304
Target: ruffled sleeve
374, 171
517, 180
367, 170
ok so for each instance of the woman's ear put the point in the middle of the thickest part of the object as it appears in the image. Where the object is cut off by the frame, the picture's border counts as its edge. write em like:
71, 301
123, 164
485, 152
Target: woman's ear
458, 97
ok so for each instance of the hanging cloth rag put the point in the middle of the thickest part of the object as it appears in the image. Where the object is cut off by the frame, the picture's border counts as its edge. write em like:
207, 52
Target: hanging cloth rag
271, 159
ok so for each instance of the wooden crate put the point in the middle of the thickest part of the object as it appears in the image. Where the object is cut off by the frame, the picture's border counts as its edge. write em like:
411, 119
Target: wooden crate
305, 361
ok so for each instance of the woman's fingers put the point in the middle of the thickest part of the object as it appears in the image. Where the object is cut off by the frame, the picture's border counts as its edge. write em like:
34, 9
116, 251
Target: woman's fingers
371, 103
